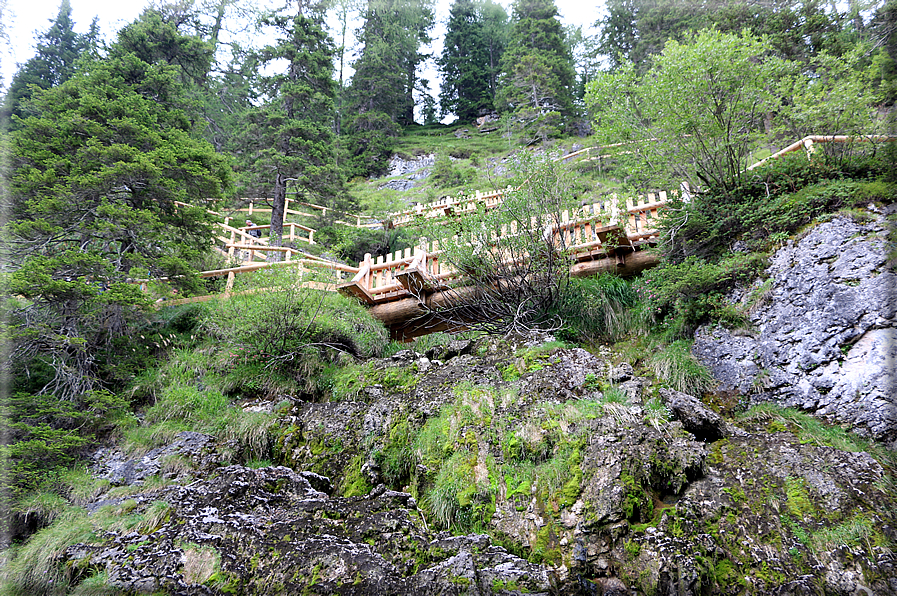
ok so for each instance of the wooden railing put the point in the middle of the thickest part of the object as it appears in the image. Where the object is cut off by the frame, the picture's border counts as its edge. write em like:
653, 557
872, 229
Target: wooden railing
595, 230
601, 228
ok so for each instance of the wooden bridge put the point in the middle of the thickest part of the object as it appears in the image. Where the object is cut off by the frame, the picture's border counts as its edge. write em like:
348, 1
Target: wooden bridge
605, 236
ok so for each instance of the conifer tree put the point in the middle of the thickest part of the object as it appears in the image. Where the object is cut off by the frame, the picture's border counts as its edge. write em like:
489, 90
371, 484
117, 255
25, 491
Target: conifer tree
538, 79
96, 174
289, 138
58, 48
470, 54
381, 95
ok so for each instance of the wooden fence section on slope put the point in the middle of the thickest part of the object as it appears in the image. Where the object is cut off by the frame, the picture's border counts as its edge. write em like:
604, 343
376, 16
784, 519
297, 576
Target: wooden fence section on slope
605, 229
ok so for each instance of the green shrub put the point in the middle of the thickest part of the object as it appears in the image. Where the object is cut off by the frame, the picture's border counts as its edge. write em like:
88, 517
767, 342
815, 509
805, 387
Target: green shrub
681, 296
777, 198
284, 336
447, 174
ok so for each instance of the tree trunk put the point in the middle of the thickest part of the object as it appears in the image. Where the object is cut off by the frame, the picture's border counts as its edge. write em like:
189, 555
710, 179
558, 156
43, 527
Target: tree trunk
277, 209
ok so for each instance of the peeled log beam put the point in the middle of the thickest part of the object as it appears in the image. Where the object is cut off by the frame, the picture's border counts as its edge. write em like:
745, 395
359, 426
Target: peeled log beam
635, 262
406, 309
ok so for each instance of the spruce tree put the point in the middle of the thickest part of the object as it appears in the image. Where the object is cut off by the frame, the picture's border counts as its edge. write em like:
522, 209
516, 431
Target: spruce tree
538, 79
467, 89
289, 138
96, 174
58, 48
381, 95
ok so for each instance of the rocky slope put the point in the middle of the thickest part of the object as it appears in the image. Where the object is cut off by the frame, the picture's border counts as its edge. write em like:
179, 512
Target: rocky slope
526, 466
587, 479
824, 335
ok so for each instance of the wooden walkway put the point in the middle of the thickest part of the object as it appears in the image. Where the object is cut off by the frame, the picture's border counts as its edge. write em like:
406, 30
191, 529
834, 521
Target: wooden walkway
604, 236
605, 232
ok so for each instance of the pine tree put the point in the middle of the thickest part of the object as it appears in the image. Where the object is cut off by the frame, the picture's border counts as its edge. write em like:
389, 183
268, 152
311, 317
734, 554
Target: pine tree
468, 59
96, 172
289, 139
538, 79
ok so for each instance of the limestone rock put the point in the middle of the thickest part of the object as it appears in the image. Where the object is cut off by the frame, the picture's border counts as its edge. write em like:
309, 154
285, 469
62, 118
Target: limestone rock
705, 424
826, 331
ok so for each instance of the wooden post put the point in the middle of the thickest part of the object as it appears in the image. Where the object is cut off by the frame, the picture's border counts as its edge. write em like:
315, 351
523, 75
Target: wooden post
366, 282
229, 285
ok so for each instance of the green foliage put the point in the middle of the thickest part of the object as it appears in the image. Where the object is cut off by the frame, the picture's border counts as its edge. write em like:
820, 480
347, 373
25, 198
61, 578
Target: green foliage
684, 295
58, 49
33, 569
96, 171
445, 174
604, 308
290, 332
289, 137
474, 42
703, 135
537, 72
45, 436
381, 95
675, 365
777, 198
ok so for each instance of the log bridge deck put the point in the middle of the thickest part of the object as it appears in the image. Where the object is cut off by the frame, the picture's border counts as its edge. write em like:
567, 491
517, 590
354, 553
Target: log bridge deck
607, 236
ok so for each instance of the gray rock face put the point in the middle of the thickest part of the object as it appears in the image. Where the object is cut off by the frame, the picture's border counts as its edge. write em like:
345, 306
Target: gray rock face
696, 418
826, 337
113, 465
400, 167
269, 531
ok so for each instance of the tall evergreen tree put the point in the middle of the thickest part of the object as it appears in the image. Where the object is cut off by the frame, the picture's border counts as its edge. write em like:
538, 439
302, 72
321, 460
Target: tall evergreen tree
468, 59
96, 173
381, 95
537, 74
58, 48
289, 139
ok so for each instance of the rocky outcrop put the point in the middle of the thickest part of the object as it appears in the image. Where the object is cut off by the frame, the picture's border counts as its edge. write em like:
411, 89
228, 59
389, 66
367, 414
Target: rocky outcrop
411, 171
824, 330
269, 531
507, 468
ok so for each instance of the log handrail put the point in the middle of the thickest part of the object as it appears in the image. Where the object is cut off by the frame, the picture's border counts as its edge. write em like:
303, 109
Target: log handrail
587, 232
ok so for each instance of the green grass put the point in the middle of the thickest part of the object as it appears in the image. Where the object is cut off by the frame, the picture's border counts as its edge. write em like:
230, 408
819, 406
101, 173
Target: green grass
811, 430
32, 569
675, 365
859, 530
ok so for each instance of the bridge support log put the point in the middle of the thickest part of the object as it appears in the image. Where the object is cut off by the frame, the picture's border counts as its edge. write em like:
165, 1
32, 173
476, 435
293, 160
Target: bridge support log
400, 312
631, 264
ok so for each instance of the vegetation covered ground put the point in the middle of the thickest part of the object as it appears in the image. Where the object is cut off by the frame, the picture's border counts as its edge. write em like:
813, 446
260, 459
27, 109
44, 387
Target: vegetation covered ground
104, 154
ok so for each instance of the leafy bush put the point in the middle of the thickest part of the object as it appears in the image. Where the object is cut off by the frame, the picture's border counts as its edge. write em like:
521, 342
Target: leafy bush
276, 329
447, 174
684, 295
776, 198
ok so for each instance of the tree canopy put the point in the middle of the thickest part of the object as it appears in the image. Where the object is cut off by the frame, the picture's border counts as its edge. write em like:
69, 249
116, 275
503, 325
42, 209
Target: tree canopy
538, 79
97, 174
